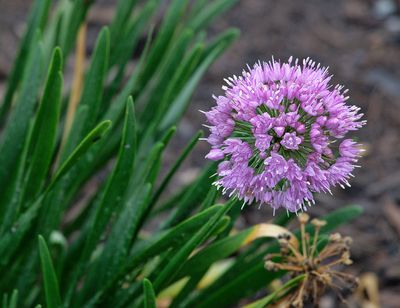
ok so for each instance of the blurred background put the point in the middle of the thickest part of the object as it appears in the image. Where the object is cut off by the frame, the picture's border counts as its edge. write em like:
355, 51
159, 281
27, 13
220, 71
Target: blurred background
360, 41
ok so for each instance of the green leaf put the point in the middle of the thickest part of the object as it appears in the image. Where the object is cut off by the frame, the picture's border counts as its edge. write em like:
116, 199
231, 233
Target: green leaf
116, 187
13, 299
176, 166
53, 299
203, 17
36, 22
11, 239
121, 18
179, 79
168, 27
149, 295
58, 197
15, 132
91, 93
174, 260
264, 302
166, 138
5, 300
123, 48
149, 165
179, 258
116, 250
51, 34
192, 198
12, 196
94, 136
114, 192
116, 107
45, 129
74, 15
234, 214
213, 253
173, 200
178, 106
211, 196
171, 238
160, 82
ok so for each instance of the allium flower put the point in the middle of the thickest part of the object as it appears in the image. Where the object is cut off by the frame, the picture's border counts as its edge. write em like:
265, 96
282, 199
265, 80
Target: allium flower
279, 130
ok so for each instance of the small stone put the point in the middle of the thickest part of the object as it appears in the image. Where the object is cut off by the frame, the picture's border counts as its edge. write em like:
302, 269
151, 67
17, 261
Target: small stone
384, 8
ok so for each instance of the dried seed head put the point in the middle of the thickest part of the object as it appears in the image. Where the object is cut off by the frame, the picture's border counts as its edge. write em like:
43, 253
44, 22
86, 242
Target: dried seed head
283, 242
354, 283
268, 257
304, 218
270, 266
318, 223
318, 267
335, 237
346, 258
348, 262
327, 279
348, 240
346, 255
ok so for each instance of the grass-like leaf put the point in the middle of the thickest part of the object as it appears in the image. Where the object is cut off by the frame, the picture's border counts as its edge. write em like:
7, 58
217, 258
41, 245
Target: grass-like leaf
94, 136
120, 19
191, 198
91, 93
53, 299
117, 248
214, 252
159, 83
122, 51
178, 106
14, 135
177, 262
163, 40
188, 149
204, 16
73, 17
171, 238
148, 294
36, 22
269, 299
114, 192
180, 77
13, 300
44, 133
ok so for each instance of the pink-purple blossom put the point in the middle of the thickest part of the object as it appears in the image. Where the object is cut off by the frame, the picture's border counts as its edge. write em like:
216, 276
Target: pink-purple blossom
278, 131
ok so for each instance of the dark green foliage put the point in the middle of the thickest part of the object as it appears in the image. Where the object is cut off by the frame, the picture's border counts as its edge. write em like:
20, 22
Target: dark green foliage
149, 295
125, 242
50, 280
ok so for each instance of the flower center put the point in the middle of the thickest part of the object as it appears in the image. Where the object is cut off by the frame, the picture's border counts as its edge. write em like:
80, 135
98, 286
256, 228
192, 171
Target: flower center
287, 130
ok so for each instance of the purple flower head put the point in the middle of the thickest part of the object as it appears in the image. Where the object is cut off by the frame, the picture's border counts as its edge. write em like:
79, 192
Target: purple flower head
275, 130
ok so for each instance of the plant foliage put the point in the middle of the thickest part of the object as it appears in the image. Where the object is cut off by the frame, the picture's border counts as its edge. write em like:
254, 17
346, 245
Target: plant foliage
59, 249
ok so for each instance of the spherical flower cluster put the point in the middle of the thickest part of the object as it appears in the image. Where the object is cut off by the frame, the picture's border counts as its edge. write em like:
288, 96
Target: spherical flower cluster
279, 133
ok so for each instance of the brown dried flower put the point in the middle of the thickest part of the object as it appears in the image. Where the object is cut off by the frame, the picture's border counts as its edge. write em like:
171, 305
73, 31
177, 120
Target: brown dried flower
317, 267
